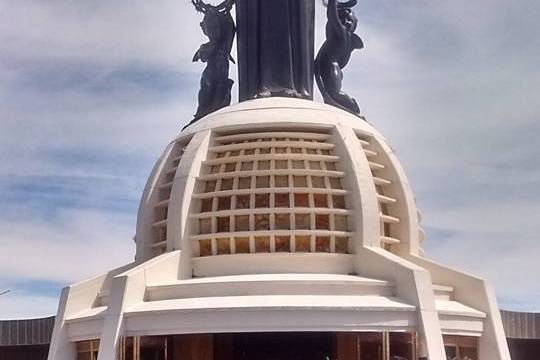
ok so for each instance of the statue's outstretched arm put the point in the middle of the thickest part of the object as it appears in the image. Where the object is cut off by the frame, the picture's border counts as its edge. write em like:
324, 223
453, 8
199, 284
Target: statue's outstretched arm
335, 26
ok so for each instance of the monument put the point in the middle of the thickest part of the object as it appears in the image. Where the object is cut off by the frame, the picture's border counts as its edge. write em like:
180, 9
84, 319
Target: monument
275, 48
278, 227
275, 52
218, 26
335, 54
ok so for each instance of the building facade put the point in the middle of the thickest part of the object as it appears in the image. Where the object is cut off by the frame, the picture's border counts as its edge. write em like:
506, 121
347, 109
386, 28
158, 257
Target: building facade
30, 339
279, 228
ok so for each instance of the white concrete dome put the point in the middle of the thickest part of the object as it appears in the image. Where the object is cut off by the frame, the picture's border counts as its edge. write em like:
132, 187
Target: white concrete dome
276, 185
279, 215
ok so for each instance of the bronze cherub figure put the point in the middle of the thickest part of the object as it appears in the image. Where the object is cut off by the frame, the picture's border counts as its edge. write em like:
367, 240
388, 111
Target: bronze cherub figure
218, 25
335, 54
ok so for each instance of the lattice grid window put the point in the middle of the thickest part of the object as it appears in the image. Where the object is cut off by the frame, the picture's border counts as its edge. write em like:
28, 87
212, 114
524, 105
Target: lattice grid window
271, 192
161, 208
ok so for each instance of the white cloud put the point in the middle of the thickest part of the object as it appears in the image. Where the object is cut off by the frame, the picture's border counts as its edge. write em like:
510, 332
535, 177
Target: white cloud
106, 31
76, 244
117, 132
498, 242
26, 306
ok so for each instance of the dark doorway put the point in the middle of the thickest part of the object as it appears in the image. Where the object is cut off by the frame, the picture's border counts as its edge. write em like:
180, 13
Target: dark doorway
277, 346
273, 346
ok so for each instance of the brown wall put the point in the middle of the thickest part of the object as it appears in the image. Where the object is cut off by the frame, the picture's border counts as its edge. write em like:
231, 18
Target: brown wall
193, 347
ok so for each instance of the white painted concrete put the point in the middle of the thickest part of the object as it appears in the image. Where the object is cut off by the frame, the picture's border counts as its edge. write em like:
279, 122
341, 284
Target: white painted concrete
341, 252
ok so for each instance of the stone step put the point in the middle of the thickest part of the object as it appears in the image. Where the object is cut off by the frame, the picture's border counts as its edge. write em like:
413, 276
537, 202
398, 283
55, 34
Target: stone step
268, 284
267, 302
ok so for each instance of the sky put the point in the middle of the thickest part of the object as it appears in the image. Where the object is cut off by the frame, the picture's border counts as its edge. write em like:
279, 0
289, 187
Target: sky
92, 91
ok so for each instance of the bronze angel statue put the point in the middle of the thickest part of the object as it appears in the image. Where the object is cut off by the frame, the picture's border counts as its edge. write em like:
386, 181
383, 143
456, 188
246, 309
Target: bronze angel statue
335, 54
218, 25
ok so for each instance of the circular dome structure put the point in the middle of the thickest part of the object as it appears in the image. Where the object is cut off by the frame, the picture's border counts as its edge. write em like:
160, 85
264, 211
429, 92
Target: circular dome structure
276, 185
278, 219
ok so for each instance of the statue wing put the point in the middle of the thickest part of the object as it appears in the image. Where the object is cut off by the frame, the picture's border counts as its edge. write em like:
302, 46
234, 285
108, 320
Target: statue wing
357, 42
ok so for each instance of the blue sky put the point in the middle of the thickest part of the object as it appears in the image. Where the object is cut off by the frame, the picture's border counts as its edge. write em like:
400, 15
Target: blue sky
91, 92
